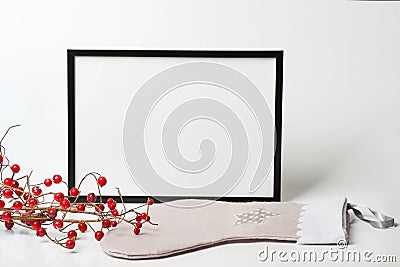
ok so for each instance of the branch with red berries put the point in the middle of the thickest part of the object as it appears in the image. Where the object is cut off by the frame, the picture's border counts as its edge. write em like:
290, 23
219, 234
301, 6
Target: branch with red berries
55, 213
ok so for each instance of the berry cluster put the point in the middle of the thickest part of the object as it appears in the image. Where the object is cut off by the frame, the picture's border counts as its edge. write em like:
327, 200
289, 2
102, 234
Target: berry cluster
30, 207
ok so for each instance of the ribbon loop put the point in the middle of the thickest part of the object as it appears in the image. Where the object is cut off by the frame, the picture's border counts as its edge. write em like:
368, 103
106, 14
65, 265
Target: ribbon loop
382, 221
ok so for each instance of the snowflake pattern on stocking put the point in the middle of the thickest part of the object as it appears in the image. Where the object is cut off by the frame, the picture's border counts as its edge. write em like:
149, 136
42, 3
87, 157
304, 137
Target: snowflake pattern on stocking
257, 216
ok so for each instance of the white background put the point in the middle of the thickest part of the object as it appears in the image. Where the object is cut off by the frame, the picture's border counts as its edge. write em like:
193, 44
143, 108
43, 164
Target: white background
342, 91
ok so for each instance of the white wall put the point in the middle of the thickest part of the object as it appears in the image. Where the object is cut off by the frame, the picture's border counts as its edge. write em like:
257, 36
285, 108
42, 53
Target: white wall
342, 64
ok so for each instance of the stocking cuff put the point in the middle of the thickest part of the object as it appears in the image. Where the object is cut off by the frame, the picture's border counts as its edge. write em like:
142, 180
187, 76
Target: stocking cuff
324, 222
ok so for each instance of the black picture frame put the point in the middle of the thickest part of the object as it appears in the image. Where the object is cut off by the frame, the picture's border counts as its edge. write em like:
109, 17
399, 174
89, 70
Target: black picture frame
72, 54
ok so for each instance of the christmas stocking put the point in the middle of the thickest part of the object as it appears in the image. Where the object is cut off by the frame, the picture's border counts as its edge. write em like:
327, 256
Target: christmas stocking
186, 225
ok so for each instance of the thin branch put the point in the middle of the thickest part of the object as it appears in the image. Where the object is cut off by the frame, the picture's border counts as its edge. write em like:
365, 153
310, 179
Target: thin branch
9, 128
39, 212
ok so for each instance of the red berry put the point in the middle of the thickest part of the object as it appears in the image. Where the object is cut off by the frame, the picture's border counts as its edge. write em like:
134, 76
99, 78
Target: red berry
72, 234
9, 224
138, 218
114, 223
52, 213
26, 196
19, 191
147, 218
2, 204
15, 183
114, 212
74, 192
57, 179
32, 202
41, 232
112, 205
99, 235
47, 182
102, 181
110, 200
150, 201
36, 191
58, 196
144, 215
99, 207
36, 225
1, 159
138, 225
6, 216
91, 197
58, 224
106, 223
70, 244
8, 181
81, 207
82, 227
17, 205
15, 168
65, 203
136, 231
7, 193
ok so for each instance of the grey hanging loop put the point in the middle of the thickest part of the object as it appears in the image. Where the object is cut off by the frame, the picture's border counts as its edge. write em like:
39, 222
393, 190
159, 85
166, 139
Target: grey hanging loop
382, 221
